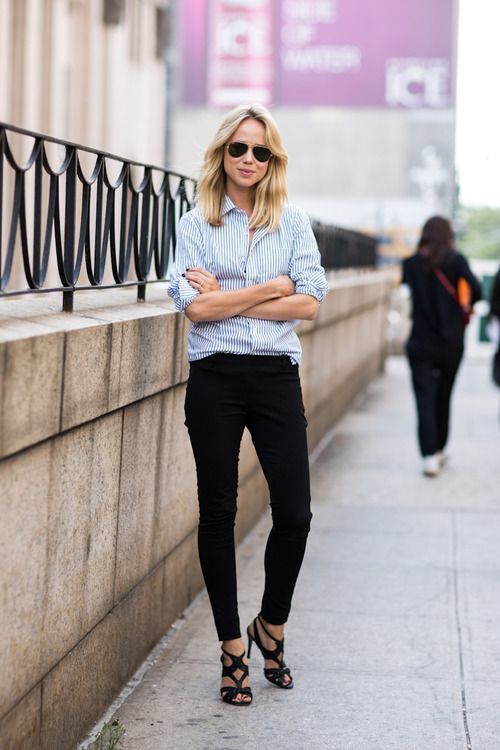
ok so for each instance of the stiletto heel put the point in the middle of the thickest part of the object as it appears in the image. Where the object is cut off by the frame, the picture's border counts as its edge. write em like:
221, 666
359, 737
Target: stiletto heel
229, 694
250, 641
276, 675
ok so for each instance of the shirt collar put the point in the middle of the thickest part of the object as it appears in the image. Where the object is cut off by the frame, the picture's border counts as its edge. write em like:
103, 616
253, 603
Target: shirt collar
227, 206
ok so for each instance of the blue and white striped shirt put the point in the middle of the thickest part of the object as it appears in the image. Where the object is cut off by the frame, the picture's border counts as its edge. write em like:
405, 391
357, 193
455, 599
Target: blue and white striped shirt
227, 254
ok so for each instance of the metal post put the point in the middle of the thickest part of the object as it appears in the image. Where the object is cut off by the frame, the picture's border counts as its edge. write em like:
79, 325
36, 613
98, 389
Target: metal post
68, 298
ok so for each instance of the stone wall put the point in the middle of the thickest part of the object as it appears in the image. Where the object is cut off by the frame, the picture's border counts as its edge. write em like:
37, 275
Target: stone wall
97, 487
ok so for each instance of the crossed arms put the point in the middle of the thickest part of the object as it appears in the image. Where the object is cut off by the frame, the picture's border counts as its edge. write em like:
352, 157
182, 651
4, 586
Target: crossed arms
275, 299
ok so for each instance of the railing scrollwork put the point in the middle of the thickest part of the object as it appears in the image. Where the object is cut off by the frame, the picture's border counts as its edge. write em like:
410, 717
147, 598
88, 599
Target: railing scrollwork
70, 226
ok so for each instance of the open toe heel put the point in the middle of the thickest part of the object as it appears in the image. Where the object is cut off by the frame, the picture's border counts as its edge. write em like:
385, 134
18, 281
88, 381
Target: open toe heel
230, 694
280, 675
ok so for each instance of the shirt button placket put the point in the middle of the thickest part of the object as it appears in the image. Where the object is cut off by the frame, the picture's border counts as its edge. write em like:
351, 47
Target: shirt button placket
244, 260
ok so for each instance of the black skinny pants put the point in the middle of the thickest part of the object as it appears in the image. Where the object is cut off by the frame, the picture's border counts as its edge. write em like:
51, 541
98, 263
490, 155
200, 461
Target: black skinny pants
225, 394
433, 374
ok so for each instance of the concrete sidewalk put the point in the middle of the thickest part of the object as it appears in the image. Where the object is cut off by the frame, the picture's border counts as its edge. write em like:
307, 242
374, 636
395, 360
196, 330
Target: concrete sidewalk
394, 638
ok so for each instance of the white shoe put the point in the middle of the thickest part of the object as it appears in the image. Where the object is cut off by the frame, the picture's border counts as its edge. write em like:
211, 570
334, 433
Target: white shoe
443, 457
430, 466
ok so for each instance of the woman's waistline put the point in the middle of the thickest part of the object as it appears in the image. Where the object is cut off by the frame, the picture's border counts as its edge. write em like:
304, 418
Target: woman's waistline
256, 361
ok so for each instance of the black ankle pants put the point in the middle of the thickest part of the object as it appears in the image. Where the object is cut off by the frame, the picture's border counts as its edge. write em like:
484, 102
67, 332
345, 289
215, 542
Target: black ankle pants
225, 394
433, 373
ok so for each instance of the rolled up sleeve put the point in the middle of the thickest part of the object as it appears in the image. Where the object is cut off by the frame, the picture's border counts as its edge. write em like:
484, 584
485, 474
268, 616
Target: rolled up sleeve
305, 267
188, 254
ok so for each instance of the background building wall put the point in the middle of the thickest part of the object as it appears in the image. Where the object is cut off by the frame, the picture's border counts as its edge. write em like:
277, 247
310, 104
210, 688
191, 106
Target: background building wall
67, 73
373, 170
91, 72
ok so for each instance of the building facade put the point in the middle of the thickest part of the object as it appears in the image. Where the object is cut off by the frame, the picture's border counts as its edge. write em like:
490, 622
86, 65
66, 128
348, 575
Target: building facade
89, 71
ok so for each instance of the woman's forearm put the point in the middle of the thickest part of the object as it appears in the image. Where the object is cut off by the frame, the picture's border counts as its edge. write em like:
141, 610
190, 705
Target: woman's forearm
296, 307
218, 305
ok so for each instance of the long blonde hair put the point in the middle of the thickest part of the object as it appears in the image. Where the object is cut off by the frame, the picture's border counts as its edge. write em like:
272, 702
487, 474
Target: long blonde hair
271, 192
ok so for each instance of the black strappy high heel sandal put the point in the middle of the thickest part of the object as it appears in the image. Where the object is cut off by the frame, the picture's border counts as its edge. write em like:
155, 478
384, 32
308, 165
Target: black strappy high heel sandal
229, 694
276, 675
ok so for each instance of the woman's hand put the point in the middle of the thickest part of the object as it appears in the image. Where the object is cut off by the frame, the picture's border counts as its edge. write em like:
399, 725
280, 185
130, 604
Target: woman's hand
283, 286
201, 280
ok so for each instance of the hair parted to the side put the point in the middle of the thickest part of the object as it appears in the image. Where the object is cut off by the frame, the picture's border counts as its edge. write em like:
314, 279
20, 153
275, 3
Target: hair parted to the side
270, 193
436, 241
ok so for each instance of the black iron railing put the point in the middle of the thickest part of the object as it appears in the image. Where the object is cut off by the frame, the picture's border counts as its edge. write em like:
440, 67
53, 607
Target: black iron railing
344, 248
75, 218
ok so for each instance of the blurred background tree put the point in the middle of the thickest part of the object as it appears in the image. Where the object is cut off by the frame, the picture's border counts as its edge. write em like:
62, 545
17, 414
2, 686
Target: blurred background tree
480, 232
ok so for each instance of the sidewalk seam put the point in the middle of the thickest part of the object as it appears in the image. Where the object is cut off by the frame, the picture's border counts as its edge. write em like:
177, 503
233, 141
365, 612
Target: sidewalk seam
459, 630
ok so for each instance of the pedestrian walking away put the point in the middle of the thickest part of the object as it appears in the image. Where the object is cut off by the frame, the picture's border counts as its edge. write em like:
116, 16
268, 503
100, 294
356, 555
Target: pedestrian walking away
247, 268
437, 275
494, 326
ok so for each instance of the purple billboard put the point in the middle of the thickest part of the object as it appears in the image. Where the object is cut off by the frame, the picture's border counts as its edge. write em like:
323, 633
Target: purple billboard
337, 53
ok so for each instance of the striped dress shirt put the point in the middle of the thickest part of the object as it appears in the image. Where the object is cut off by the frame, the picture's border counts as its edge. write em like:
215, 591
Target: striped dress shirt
227, 254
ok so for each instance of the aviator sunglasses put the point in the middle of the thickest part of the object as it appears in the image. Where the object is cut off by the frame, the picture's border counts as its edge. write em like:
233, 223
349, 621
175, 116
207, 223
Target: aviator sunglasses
237, 148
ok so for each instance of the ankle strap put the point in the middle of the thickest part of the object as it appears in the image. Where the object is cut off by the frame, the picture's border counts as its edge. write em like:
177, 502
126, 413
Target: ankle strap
234, 658
269, 635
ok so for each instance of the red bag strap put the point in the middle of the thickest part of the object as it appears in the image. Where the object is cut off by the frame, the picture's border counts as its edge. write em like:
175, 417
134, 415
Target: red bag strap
454, 293
447, 284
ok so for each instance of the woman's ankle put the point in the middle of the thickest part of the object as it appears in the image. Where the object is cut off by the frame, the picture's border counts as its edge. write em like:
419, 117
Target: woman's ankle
275, 630
235, 646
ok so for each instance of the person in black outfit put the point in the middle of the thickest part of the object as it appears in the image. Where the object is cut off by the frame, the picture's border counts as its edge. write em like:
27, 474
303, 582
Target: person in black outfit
436, 343
495, 313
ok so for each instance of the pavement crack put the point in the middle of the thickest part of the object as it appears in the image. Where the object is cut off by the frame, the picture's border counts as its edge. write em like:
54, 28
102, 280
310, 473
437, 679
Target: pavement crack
459, 628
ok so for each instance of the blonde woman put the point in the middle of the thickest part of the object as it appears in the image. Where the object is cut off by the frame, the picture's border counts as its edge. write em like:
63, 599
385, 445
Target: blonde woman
247, 268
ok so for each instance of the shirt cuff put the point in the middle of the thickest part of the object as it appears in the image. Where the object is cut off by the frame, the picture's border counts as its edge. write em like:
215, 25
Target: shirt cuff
182, 294
312, 290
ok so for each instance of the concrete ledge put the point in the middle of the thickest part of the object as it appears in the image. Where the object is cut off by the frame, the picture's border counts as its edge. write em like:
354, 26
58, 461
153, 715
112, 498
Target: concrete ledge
107, 656
81, 533
20, 728
30, 393
114, 649
98, 502
23, 568
59, 370
96, 352
327, 412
